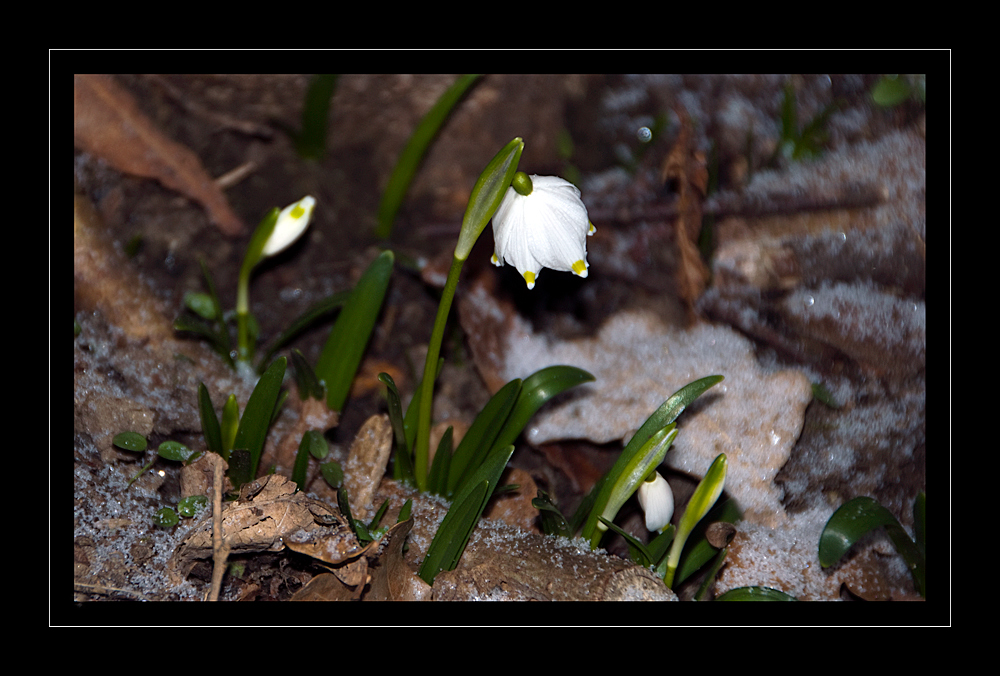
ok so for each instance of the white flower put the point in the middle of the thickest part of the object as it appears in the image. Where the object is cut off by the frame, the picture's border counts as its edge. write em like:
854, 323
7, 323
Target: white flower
546, 228
657, 501
292, 222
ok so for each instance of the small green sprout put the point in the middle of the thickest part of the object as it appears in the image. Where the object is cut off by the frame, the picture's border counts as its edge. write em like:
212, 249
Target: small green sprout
166, 518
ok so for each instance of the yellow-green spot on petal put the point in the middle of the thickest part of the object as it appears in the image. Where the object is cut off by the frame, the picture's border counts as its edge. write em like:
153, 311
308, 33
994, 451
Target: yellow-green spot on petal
495, 260
580, 268
529, 277
297, 211
592, 229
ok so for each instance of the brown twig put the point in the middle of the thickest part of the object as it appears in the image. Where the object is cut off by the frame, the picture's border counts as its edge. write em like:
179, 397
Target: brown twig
220, 547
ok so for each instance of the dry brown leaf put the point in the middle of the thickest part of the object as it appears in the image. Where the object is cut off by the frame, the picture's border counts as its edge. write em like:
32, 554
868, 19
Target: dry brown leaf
687, 167
268, 516
108, 123
366, 462
392, 579
324, 587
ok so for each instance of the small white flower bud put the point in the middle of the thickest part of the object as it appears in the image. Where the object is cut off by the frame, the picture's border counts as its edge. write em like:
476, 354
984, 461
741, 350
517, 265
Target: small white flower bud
292, 222
657, 502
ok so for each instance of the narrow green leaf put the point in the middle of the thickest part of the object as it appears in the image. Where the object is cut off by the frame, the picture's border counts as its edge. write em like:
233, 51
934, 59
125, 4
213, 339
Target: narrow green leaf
671, 409
470, 500
305, 378
702, 500
437, 479
402, 469
536, 390
623, 480
404, 513
454, 532
637, 550
553, 522
487, 193
480, 438
209, 421
338, 363
697, 552
410, 419
230, 423
256, 419
755, 594
201, 304
344, 503
310, 142
659, 545
130, 441
240, 467
379, 513
413, 153
312, 315
312, 443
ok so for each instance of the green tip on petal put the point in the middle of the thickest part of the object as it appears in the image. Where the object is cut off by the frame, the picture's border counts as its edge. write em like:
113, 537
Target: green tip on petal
580, 268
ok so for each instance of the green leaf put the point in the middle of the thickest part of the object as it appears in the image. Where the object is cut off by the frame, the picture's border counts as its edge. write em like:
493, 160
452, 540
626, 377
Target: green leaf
859, 516
404, 513
256, 419
890, 90
173, 450
702, 500
166, 518
332, 473
487, 193
659, 545
315, 312
341, 356
130, 441
637, 550
192, 505
553, 522
755, 594
623, 480
480, 438
536, 390
437, 479
379, 513
671, 409
305, 378
310, 142
413, 153
202, 304
209, 421
312, 444
453, 534
402, 469
230, 423
698, 551
240, 467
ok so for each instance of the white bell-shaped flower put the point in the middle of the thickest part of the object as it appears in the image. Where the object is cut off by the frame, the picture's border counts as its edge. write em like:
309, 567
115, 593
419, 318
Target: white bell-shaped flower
292, 222
542, 223
657, 502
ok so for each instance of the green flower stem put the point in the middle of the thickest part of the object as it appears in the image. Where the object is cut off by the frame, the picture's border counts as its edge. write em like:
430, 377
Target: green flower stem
422, 449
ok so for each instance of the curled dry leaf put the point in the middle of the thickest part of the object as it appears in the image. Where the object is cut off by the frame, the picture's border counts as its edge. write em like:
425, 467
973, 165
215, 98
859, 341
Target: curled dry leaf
108, 123
268, 516
366, 462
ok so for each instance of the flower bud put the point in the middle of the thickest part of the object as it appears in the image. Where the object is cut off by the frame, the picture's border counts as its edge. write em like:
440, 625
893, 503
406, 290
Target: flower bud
292, 222
657, 502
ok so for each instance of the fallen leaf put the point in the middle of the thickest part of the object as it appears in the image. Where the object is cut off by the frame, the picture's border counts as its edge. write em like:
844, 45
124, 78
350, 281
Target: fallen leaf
686, 166
268, 516
392, 579
108, 123
366, 462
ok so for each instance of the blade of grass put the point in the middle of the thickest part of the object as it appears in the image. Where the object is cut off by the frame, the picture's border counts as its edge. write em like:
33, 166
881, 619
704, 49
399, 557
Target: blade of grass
341, 356
209, 421
416, 147
482, 433
252, 431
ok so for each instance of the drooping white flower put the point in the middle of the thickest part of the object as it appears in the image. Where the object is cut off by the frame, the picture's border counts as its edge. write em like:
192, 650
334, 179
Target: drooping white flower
657, 502
292, 222
542, 223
